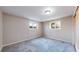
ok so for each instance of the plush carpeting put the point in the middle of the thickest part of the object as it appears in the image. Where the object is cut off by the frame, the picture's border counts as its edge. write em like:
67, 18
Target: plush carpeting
40, 45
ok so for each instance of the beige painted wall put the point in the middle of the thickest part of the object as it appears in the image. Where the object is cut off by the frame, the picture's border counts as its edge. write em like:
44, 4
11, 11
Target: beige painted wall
64, 34
73, 21
1, 32
16, 29
77, 30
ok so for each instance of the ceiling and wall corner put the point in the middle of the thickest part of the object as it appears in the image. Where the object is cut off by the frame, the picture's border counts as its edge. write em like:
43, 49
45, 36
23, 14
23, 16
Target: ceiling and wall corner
38, 13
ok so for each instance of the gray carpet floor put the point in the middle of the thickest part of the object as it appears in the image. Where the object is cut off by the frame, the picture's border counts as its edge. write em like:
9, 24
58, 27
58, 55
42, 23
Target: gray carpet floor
40, 45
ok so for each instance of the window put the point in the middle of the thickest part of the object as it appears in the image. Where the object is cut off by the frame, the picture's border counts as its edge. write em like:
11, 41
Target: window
32, 25
55, 25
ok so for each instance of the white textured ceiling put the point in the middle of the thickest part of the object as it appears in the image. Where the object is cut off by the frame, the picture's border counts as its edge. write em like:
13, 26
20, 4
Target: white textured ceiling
36, 12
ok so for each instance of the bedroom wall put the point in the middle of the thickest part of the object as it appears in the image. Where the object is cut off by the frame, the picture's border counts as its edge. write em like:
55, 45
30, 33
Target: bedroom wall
66, 32
77, 29
1, 30
16, 29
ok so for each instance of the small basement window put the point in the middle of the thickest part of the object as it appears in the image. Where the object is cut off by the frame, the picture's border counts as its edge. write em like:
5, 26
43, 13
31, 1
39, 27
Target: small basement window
55, 25
32, 25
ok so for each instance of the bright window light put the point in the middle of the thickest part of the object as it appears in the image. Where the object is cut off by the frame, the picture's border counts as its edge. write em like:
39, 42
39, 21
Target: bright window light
55, 25
32, 24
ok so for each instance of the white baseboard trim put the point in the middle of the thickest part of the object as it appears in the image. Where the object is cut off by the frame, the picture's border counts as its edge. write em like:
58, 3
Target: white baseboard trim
14, 43
18, 42
61, 40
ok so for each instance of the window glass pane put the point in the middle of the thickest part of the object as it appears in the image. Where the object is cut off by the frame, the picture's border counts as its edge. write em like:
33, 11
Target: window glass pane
55, 25
32, 24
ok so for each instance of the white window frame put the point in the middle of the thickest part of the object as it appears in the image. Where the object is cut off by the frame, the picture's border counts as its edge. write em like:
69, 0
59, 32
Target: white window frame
56, 25
33, 25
